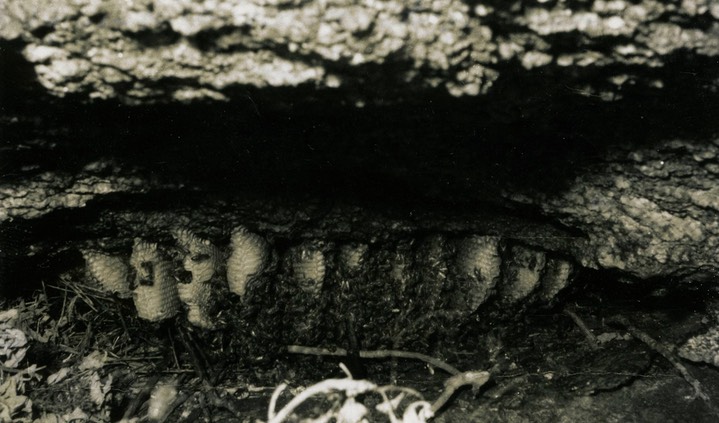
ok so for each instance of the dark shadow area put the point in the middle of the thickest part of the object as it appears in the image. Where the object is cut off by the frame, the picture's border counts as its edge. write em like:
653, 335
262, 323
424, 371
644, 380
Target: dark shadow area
435, 147
532, 132
18, 82
404, 171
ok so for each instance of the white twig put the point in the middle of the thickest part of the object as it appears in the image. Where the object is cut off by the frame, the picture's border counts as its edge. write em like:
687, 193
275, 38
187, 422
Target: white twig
591, 339
667, 353
346, 370
273, 401
339, 352
475, 379
350, 386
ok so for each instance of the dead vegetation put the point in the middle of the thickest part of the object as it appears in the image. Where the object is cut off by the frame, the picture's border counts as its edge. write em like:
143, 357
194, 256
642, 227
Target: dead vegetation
76, 353
100, 362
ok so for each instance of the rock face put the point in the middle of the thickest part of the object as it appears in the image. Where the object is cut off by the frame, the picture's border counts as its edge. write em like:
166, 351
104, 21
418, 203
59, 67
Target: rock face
591, 126
651, 212
127, 50
47, 191
187, 50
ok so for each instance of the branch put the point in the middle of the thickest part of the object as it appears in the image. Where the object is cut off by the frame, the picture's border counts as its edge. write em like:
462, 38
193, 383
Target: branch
667, 354
340, 352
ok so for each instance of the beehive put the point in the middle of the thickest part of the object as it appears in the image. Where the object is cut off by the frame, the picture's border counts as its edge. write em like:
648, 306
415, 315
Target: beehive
249, 257
111, 272
522, 273
478, 266
557, 276
155, 293
203, 260
352, 258
200, 256
308, 267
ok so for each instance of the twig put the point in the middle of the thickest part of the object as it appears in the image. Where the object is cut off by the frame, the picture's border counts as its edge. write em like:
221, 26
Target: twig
167, 372
273, 401
379, 354
10, 370
668, 355
346, 370
172, 347
410, 355
229, 403
505, 386
391, 405
350, 386
85, 339
476, 379
140, 397
133, 359
79, 294
591, 339
122, 321
197, 362
176, 402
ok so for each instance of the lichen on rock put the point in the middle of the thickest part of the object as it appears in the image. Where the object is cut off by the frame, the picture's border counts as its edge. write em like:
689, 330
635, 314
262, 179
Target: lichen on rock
702, 348
49, 191
147, 51
649, 214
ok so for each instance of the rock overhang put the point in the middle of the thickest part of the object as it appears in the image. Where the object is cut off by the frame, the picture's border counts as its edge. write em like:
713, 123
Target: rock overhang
160, 51
536, 109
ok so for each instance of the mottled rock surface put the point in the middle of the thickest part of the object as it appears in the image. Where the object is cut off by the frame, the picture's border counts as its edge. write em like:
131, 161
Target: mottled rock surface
452, 177
50, 191
598, 118
648, 211
375, 50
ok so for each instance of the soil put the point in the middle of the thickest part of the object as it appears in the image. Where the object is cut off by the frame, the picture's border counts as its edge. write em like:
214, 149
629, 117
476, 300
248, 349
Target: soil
543, 367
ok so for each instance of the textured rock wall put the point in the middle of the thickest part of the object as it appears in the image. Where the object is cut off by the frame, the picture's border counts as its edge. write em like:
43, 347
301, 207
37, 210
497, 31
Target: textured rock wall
185, 50
649, 211
596, 117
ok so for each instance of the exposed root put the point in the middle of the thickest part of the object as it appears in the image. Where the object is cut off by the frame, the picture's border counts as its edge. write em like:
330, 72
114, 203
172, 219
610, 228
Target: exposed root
350, 386
591, 339
475, 379
379, 354
418, 411
140, 397
458, 379
199, 362
667, 353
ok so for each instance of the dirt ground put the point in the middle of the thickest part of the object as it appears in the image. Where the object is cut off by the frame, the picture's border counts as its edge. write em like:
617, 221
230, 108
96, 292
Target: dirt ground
82, 356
